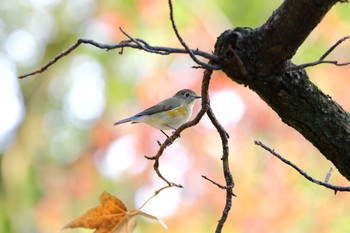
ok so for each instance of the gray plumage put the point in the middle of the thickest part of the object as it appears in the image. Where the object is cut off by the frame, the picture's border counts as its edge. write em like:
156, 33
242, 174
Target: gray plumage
184, 97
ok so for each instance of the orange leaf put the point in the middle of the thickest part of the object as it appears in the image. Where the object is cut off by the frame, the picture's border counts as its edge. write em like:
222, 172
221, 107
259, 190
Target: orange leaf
110, 217
103, 218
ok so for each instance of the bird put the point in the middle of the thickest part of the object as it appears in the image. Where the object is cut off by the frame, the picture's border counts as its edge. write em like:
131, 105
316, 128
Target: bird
168, 114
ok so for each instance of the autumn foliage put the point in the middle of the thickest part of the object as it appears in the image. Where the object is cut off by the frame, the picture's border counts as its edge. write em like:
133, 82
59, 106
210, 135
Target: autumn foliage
110, 217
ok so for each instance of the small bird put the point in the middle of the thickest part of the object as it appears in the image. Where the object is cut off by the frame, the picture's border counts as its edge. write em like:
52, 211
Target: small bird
168, 114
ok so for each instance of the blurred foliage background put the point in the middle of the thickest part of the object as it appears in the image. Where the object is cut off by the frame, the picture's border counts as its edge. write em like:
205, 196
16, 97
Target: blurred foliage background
59, 150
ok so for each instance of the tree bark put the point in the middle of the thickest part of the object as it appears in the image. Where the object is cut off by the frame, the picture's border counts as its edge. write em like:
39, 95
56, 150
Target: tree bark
258, 58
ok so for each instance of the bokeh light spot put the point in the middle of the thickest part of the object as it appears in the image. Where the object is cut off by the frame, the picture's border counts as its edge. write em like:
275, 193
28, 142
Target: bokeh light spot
11, 106
21, 47
228, 107
85, 100
119, 157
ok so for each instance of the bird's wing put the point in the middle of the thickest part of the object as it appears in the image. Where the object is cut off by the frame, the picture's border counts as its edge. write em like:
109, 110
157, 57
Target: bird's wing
165, 105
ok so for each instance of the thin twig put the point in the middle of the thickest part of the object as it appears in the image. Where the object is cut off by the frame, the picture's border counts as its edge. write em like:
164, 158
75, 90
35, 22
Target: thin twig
214, 182
328, 176
317, 63
54, 60
131, 43
131, 38
303, 173
183, 43
217, 184
321, 60
333, 47
155, 194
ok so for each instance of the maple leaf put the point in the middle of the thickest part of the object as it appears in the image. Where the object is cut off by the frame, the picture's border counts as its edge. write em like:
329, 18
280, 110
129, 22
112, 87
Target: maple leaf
110, 217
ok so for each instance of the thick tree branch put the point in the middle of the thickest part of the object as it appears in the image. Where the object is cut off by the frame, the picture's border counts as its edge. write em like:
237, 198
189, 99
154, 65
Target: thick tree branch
299, 103
286, 30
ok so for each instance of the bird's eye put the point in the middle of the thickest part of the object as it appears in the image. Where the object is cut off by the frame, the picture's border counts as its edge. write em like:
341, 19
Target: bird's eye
187, 94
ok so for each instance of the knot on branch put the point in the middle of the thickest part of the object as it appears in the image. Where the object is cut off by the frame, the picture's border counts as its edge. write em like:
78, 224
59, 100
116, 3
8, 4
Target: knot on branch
230, 48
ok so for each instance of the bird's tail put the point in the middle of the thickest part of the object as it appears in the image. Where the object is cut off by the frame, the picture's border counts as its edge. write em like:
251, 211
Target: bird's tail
124, 121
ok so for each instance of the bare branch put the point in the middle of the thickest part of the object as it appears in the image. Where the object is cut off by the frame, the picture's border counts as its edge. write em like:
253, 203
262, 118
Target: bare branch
155, 194
54, 60
303, 173
328, 175
214, 182
217, 184
333, 47
321, 60
190, 52
225, 163
317, 63
131, 43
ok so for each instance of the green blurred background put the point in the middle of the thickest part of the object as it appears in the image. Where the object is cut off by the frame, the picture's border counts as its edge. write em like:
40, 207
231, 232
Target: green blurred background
59, 150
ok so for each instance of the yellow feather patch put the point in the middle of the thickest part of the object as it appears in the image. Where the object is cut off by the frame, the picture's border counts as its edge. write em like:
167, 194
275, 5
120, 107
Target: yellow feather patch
182, 111
168, 119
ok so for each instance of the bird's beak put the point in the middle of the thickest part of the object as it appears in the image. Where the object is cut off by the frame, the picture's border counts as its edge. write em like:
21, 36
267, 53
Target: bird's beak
198, 97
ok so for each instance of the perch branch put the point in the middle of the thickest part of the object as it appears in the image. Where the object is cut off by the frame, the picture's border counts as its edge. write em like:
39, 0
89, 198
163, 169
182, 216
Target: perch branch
303, 173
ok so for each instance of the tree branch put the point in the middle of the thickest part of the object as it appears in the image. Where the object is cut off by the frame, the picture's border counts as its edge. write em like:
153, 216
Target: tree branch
131, 43
226, 168
321, 60
303, 173
155, 194
210, 66
328, 176
214, 182
299, 103
287, 29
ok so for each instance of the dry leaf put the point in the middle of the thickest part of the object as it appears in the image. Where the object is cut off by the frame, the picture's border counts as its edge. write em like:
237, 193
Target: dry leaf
103, 218
110, 217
